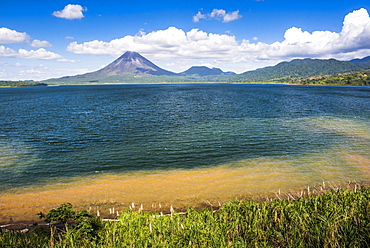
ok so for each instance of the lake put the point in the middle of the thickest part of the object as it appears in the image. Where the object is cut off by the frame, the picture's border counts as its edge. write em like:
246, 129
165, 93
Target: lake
177, 143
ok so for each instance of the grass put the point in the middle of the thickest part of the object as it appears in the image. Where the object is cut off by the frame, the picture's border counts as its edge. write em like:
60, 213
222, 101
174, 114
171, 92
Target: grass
338, 218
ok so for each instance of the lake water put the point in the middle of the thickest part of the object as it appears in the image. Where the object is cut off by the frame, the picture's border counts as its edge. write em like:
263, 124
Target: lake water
177, 142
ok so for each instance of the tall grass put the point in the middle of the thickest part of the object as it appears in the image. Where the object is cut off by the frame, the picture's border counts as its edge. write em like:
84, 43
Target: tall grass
338, 218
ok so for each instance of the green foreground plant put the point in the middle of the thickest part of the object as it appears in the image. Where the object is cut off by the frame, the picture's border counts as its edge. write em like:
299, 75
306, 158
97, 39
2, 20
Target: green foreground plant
336, 219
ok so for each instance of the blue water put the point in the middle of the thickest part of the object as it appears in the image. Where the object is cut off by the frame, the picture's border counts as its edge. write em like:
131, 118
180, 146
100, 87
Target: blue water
70, 131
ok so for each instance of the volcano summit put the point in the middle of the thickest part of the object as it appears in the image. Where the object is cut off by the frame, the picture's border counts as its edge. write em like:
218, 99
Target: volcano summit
132, 63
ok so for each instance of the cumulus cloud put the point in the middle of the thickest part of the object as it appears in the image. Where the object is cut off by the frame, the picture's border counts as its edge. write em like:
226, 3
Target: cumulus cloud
38, 72
223, 49
32, 54
7, 52
354, 36
171, 40
40, 43
8, 36
218, 14
70, 12
38, 54
199, 16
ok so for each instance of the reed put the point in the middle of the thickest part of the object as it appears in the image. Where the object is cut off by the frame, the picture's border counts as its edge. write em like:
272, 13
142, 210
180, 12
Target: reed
337, 218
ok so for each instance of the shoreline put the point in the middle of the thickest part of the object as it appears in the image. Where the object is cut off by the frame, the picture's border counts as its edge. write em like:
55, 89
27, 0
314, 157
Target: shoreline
199, 187
110, 209
176, 83
106, 211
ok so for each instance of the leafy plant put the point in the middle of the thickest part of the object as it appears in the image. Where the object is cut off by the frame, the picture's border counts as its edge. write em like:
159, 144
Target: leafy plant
83, 224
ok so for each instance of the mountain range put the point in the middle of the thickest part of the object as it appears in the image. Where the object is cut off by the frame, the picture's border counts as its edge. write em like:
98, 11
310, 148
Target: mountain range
132, 67
205, 71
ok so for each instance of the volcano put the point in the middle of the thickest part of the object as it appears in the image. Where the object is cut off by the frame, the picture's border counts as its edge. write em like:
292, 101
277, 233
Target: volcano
131, 63
131, 66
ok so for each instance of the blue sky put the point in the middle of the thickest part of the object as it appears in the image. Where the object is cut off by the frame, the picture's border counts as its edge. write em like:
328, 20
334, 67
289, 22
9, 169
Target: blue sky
44, 39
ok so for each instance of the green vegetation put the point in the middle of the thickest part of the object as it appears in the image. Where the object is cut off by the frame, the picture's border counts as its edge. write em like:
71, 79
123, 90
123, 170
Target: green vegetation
339, 218
84, 225
300, 68
353, 78
20, 84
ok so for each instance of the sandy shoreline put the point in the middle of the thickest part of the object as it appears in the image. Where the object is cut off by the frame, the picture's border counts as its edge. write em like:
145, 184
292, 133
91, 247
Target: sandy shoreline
157, 191
109, 195
107, 210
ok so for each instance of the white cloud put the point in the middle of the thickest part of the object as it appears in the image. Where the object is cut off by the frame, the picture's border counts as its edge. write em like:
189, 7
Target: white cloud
29, 72
171, 41
7, 52
38, 72
199, 16
8, 36
218, 14
182, 48
70, 12
225, 17
38, 54
3, 64
32, 54
40, 43
355, 35
63, 60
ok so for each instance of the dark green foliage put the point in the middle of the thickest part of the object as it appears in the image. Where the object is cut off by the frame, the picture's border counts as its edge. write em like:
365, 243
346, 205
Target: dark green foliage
354, 78
300, 68
20, 84
80, 223
336, 219
36, 238
61, 214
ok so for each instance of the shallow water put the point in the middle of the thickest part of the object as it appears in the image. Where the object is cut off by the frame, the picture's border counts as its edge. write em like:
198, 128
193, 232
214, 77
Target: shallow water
175, 144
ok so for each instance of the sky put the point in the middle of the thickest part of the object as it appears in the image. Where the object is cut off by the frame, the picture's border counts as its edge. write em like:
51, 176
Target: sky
44, 39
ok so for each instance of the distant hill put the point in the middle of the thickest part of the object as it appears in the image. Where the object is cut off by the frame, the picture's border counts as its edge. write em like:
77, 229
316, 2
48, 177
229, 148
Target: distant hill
204, 71
301, 68
363, 60
350, 78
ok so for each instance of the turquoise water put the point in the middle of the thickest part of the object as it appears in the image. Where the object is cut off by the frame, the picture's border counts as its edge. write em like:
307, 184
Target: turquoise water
49, 133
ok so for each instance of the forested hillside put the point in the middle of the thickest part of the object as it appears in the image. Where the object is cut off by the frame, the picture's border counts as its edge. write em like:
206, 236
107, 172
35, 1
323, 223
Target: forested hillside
301, 68
353, 78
